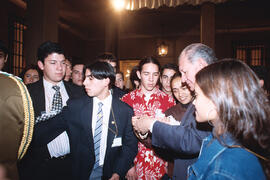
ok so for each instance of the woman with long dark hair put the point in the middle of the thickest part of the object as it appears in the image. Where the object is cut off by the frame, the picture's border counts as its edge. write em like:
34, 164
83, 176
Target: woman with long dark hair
229, 96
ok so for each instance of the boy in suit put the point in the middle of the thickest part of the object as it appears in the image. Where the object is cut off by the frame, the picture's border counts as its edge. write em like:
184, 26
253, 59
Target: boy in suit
49, 95
102, 142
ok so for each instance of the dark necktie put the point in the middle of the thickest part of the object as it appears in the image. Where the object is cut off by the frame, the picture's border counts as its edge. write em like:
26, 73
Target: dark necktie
56, 106
57, 99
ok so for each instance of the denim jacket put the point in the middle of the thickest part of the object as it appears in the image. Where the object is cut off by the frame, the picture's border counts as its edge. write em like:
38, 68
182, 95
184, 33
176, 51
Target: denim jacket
219, 162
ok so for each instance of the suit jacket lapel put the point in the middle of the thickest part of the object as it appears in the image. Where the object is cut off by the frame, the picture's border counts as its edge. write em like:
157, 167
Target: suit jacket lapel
188, 114
68, 89
112, 125
39, 98
86, 121
86, 115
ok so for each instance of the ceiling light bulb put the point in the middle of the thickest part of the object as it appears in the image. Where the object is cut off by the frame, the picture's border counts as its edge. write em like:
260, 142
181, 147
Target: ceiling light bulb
118, 4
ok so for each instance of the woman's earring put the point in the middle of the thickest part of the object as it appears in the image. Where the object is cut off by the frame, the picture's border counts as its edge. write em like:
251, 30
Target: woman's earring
207, 116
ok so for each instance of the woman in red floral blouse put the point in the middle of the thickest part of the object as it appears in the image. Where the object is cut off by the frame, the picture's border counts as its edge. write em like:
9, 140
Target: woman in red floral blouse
148, 100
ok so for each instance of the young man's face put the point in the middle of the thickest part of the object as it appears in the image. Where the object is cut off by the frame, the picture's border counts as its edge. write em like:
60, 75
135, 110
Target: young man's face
3, 59
165, 80
54, 67
149, 77
68, 70
95, 87
77, 74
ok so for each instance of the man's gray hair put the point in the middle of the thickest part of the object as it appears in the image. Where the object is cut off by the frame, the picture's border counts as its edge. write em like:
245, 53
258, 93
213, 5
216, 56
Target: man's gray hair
198, 50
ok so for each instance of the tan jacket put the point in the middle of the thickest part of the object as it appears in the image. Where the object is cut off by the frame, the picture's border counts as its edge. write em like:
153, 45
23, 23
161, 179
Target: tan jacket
16, 122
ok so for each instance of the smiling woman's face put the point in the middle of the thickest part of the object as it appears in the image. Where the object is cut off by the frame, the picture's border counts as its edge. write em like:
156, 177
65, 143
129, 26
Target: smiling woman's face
180, 91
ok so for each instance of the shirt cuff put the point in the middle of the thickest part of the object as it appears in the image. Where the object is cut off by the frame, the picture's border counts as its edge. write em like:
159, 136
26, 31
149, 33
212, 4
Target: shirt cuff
151, 126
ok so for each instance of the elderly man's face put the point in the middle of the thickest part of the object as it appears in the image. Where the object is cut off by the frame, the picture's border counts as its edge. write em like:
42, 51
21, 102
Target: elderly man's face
189, 70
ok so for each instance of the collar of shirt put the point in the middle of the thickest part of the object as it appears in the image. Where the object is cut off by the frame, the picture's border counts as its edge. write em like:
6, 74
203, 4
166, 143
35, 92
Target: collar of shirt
106, 101
49, 85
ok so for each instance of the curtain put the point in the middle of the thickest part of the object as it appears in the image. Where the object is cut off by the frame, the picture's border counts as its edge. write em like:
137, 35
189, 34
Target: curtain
154, 4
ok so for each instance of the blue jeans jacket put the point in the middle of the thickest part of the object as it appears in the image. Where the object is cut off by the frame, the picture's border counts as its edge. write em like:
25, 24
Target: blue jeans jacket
219, 162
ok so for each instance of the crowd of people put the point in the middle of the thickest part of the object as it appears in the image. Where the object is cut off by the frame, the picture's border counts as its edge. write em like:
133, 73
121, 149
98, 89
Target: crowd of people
204, 118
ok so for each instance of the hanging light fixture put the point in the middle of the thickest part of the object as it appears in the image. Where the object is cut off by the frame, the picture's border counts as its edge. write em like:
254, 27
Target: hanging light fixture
162, 49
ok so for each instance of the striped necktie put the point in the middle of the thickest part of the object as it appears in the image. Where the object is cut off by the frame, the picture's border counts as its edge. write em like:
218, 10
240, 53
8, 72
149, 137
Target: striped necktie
97, 134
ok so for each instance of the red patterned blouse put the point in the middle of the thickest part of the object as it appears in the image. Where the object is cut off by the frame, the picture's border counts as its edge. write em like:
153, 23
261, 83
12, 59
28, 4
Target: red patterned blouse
147, 164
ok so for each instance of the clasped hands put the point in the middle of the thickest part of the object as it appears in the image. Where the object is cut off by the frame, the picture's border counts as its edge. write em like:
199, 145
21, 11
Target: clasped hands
142, 124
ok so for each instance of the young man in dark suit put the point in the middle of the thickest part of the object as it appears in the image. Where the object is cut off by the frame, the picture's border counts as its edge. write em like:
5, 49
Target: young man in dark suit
102, 142
49, 95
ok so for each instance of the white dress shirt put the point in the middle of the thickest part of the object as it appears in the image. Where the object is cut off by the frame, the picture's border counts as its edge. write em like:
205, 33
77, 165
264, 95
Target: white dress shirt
106, 109
60, 145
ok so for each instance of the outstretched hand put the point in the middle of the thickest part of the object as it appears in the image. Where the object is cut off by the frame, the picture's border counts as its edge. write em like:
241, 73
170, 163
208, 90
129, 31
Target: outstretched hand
142, 124
115, 177
131, 174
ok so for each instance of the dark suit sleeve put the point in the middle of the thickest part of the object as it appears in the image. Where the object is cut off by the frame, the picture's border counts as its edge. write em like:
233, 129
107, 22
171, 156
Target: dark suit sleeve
185, 138
46, 131
117, 92
129, 146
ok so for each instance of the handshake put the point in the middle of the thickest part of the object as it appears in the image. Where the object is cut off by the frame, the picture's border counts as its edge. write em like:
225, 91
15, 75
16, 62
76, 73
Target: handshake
144, 124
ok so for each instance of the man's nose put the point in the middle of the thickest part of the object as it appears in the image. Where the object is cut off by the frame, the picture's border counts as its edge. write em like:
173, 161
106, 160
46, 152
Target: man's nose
59, 66
151, 77
183, 78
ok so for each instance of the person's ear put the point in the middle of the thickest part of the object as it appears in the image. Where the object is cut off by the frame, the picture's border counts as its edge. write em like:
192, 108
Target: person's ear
6, 58
261, 82
202, 63
107, 81
40, 65
138, 74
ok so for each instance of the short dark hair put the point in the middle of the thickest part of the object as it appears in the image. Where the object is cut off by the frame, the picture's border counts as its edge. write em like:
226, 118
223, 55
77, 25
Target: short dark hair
3, 48
149, 59
176, 75
47, 48
77, 63
107, 56
169, 66
102, 70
